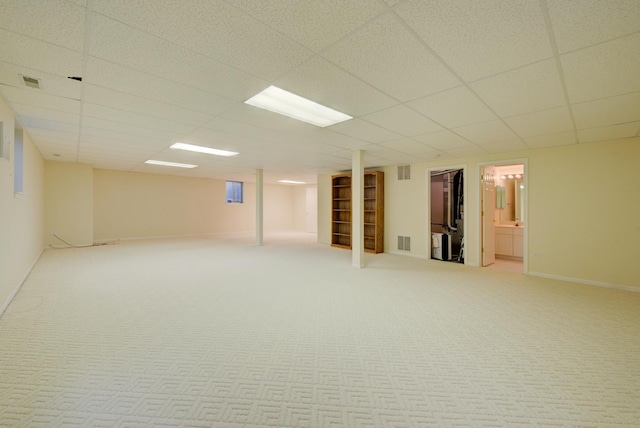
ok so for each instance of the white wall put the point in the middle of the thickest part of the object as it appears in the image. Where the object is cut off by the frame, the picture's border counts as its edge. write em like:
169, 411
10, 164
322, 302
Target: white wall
21, 216
68, 203
583, 205
138, 205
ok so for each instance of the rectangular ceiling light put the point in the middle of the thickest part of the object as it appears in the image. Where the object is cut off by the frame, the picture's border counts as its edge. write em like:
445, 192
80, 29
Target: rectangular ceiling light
285, 103
163, 163
202, 149
291, 182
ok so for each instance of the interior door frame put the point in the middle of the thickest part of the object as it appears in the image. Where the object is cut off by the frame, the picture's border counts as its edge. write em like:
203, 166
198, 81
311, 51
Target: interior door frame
465, 190
478, 214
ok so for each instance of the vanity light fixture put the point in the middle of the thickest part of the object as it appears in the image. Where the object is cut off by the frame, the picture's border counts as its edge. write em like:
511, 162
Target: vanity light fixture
174, 164
292, 182
202, 149
287, 104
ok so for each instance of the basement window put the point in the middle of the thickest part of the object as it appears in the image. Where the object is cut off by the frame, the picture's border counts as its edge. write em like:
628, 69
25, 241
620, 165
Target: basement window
234, 192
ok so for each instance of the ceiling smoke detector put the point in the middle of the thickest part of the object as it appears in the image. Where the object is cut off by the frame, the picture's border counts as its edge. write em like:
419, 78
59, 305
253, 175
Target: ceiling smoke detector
31, 82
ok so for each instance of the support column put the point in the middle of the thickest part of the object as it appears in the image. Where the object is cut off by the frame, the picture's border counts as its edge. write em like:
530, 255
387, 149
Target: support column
259, 208
357, 208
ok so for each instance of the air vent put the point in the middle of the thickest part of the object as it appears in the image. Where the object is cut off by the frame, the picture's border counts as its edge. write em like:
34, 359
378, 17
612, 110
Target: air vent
404, 243
31, 82
404, 172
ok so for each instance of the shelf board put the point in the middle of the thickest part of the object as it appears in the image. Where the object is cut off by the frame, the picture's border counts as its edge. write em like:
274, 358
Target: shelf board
341, 221
341, 234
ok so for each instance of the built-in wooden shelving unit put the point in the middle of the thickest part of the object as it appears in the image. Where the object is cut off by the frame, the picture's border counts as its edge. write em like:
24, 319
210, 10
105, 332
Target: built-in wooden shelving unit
373, 211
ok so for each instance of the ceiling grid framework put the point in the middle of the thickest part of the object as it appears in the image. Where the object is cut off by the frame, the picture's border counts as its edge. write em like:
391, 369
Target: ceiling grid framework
442, 79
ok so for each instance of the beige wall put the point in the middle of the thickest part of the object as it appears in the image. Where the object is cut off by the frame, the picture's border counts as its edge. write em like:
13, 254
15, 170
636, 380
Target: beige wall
324, 209
583, 205
137, 205
68, 203
21, 216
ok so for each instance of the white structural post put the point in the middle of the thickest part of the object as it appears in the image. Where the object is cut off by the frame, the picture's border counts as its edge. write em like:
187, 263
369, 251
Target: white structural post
259, 208
357, 208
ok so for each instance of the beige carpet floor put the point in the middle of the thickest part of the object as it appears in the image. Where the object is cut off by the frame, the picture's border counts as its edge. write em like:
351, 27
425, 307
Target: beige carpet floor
222, 333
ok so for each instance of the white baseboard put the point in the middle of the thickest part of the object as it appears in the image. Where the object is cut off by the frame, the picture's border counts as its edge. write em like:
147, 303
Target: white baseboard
586, 281
407, 254
196, 235
24, 278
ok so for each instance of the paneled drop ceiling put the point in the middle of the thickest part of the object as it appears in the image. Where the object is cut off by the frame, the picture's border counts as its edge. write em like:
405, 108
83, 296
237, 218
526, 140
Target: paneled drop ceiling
424, 80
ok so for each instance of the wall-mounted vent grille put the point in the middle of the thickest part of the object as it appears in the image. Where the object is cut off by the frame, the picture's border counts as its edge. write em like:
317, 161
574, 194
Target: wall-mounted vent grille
404, 172
404, 243
31, 82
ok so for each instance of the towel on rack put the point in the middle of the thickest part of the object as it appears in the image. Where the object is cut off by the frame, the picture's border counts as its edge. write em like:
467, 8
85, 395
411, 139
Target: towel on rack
435, 242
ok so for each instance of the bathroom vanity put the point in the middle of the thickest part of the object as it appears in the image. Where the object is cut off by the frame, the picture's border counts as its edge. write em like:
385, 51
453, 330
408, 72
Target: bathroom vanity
509, 241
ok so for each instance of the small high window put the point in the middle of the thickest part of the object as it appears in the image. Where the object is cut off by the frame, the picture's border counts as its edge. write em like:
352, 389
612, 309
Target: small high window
234, 192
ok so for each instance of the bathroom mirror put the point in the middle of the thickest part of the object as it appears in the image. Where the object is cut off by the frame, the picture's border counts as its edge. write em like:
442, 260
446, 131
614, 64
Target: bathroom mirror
519, 198
510, 194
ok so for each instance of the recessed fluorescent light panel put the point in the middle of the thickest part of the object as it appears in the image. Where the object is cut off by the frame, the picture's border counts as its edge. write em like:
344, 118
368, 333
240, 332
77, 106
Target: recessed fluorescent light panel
175, 164
285, 103
202, 149
291, 182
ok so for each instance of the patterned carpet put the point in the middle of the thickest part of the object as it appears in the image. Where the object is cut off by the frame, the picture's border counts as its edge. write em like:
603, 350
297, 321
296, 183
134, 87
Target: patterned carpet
221, 333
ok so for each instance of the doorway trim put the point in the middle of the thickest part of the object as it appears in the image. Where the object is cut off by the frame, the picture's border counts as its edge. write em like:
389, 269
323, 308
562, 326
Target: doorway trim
478, 214
465, 189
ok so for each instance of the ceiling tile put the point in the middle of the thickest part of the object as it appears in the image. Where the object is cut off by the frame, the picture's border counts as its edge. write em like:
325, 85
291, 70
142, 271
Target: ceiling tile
214, 29
255, 116
50, 84
365, 131
494, 131
240, 129
479, 39
46, 114
54, 21
626, 130
121, 44
577, 24
36, 98
552, 140
132, 103
135, 119
32, 123
453, 107
38, 55
334, 139
607, 111
65, 152
402, 120
323, 82
465, 152
505, 147
42, 134
410, 71
551, 121
408, 146
118, 130
525, 90
443, 140
603, 70
123, 79
314, 24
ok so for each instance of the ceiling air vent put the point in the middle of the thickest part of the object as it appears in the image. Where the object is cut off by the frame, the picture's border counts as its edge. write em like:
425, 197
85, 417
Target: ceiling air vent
31, 82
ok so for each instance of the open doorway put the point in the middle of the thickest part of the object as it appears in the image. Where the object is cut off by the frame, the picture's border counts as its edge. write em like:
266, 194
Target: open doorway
446, 213
503, 215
